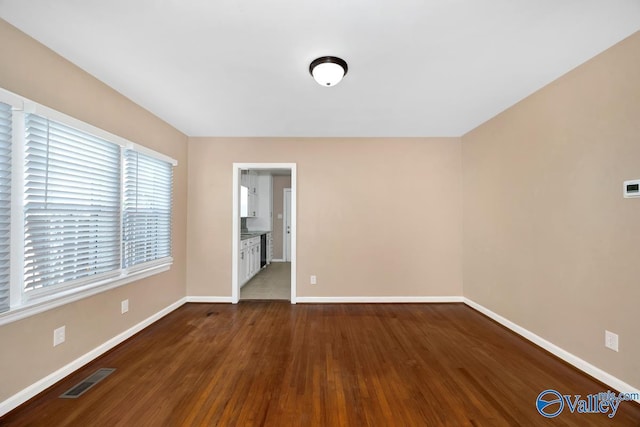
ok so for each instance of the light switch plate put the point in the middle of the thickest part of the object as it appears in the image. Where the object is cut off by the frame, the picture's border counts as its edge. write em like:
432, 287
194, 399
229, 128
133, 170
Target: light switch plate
611, 340
59, 335
124, 306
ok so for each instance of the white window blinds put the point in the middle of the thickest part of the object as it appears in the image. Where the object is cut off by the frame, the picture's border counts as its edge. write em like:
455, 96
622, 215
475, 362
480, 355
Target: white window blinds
5, 203
147, 209
72, 205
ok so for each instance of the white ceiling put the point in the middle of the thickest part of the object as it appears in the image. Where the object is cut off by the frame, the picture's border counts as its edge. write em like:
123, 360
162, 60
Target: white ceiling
240, 67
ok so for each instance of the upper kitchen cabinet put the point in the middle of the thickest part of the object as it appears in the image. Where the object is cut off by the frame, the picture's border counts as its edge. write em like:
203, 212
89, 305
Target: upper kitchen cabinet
262, 220
249, 199
265, 202
251, 181
256, 199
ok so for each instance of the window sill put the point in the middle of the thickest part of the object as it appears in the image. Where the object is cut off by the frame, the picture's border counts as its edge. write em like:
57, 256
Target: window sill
58, 299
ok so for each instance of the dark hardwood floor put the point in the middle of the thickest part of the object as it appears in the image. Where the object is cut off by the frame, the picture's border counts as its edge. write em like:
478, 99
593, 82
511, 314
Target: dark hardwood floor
274, 364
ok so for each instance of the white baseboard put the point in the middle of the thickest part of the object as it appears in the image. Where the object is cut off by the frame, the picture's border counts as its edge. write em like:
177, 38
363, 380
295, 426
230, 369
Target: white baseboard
570, 358
277, 260
209, 299
367, 300
46, 382
335, 300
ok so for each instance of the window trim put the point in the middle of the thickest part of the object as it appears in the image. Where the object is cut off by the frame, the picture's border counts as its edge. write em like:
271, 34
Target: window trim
51, 114
6, 140
25, 304
41, 304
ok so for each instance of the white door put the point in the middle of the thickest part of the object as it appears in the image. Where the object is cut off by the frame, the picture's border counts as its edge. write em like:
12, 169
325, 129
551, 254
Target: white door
287, 225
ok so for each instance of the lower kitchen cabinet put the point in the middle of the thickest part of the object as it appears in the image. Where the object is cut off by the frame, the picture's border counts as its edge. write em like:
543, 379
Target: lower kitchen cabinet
249, 259
242, 273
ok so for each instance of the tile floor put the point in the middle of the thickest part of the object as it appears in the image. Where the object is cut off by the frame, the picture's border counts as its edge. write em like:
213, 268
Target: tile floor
273, 282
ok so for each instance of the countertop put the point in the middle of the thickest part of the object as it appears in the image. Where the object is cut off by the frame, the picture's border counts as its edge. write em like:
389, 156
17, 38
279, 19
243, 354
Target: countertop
249, 234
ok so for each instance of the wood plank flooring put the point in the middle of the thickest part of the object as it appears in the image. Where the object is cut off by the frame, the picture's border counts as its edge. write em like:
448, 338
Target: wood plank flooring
269, 363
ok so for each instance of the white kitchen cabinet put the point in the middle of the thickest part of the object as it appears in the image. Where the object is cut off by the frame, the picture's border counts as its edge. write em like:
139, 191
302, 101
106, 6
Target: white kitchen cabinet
253, 182
249, 178
262, 221
255, 261
247, 265
255, 258
253, 203
254, 194
242, 270
252, 261
249, 195
249, 259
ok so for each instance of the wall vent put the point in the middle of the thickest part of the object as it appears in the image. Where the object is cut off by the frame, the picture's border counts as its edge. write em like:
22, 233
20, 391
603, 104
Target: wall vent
83, 386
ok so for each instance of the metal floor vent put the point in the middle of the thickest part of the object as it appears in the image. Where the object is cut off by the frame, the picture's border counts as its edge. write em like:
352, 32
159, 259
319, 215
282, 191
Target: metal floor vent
82, 387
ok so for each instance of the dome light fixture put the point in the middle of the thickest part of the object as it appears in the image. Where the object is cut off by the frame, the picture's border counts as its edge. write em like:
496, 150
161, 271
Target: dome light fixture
328, 70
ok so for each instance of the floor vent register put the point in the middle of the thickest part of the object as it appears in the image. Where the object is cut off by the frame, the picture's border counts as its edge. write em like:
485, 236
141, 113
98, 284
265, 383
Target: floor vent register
83, 386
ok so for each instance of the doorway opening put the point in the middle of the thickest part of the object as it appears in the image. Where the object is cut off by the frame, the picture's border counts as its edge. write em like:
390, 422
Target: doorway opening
264, 231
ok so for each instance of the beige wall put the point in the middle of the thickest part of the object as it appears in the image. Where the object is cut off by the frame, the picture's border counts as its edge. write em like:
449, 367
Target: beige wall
279, 184
549, 242
376, 217
26, 354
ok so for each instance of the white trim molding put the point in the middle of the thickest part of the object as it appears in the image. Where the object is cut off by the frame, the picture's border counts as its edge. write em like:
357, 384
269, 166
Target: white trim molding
378, 300
570, 358
75, 294
46, 382
209, 299
235, 223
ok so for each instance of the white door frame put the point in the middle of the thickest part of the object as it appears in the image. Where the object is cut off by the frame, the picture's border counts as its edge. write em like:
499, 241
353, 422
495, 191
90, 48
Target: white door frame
286, 249
235, 240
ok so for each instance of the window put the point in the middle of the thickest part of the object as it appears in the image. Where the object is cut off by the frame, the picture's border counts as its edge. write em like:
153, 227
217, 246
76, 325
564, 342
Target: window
72, 205
81, 210
5, 203
147, 209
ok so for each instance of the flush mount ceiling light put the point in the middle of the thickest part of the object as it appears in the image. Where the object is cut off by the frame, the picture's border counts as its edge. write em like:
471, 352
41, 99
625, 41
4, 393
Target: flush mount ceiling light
328, 70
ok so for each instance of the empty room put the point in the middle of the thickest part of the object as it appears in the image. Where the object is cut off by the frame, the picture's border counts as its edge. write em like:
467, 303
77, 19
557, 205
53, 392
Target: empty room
337, 213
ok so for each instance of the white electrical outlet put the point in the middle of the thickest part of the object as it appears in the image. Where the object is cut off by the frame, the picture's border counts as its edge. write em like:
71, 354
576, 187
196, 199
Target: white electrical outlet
124, 306
59, 336
314, 280
611, 340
